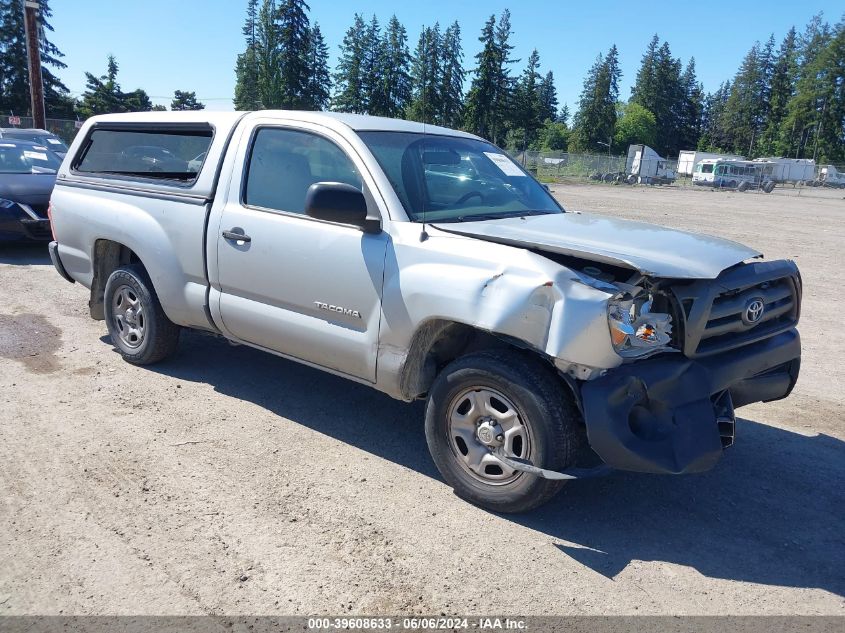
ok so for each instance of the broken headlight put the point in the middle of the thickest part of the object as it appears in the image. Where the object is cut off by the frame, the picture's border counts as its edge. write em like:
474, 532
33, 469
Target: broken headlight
635, 330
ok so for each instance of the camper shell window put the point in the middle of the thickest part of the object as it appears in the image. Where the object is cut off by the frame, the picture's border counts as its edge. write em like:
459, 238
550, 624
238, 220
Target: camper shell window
148, 152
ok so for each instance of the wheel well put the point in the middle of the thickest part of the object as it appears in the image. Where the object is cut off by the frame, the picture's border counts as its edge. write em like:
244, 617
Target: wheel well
436, 344
108, 255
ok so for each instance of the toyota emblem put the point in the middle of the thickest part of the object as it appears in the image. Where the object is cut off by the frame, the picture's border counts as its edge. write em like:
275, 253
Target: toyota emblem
754, 311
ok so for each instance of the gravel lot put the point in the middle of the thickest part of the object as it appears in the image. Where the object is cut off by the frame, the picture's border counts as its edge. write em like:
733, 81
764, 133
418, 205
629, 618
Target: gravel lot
228, 481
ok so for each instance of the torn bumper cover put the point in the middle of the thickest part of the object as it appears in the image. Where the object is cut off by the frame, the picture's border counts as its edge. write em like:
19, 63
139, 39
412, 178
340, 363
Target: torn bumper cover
664, 415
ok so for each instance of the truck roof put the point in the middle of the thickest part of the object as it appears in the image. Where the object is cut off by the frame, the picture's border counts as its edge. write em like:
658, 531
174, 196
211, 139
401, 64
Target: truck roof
357, 122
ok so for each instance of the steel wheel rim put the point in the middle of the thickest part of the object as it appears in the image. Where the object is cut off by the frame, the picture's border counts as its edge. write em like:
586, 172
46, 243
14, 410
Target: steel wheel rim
468, 412
128, 316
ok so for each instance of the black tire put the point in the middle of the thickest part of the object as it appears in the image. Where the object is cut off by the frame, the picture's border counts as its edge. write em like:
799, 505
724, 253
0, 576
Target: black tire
743, 186
544, 407
158, 337
769, 187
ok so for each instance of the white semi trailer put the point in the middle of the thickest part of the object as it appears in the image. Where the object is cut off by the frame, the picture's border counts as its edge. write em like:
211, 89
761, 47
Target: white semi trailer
688, 159
647, 167
787, 170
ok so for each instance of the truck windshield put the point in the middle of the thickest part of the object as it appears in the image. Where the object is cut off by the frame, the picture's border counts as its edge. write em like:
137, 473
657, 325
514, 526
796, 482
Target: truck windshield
452, 179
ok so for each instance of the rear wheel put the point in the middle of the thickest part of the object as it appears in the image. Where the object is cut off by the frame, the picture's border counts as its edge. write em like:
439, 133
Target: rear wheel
743, 186
494, 401
139, 329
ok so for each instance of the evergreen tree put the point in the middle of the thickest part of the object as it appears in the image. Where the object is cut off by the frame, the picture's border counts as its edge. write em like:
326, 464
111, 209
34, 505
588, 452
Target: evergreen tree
102, 94
395, 72
184, 100
596, 118
669, 105
452, 78
426, 78
691, 108
488, 104
14, 71
246, 67
713, 136
563, 115
798, 125
744, 111
349, 82
318, 85
645, 88
780, 92
548, 98
478, 116
372, 66
267, 57
137, 101
527, 106
293, 30
816, 112
659, 89
505, 83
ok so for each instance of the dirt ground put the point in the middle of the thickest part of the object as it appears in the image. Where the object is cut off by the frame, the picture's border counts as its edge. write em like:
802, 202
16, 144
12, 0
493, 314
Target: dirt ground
228, 481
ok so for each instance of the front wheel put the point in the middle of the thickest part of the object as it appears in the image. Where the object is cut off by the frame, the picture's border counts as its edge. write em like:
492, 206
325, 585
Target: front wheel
505, 401
139, 329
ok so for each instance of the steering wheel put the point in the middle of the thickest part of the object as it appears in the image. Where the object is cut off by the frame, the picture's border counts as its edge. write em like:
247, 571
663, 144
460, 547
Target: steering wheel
471, 194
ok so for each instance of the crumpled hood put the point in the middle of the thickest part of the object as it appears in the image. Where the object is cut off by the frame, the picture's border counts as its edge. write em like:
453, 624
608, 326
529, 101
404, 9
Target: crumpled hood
650, 249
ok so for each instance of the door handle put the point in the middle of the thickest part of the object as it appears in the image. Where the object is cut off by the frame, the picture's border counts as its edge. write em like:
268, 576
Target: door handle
236, 235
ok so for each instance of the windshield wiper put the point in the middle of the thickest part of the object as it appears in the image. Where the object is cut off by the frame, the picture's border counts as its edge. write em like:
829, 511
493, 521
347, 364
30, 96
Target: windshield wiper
497, 216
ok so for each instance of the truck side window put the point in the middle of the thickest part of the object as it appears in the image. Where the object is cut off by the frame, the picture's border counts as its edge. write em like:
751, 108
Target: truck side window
157, 152
283, 164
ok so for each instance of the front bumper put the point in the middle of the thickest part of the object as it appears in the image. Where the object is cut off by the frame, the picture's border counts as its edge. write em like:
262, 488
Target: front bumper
15, 225
671, 414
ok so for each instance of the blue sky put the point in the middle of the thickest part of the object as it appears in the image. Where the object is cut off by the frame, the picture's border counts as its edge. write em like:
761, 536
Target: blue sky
163, 46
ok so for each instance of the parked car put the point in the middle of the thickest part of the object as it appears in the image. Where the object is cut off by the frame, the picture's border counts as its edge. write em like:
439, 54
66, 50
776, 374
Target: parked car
34, 135
27, 176
196, 162
426, 263
152, 158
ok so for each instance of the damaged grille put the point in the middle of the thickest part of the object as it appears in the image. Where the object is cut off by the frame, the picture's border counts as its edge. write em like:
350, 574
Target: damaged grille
745, 304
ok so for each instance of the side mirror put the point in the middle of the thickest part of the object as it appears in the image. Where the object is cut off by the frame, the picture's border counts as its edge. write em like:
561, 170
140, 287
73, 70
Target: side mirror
337, 202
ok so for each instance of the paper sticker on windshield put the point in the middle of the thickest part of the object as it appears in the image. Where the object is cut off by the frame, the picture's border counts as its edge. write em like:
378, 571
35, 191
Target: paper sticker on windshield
35, 155
54, 141
508, 167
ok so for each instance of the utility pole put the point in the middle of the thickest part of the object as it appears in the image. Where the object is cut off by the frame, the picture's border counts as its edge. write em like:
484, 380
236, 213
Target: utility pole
33, 53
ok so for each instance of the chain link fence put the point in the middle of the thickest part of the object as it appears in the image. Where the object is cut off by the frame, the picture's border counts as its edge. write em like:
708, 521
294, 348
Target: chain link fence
562, 167
65, 129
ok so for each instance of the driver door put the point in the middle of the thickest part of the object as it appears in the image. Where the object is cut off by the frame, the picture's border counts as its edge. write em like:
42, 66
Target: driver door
305, 288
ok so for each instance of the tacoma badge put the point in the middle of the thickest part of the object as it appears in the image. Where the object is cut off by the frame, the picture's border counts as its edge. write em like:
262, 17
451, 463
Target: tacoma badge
340, 310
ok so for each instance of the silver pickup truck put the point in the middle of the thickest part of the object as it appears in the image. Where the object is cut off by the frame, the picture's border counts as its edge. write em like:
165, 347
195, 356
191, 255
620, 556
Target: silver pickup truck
426, 263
